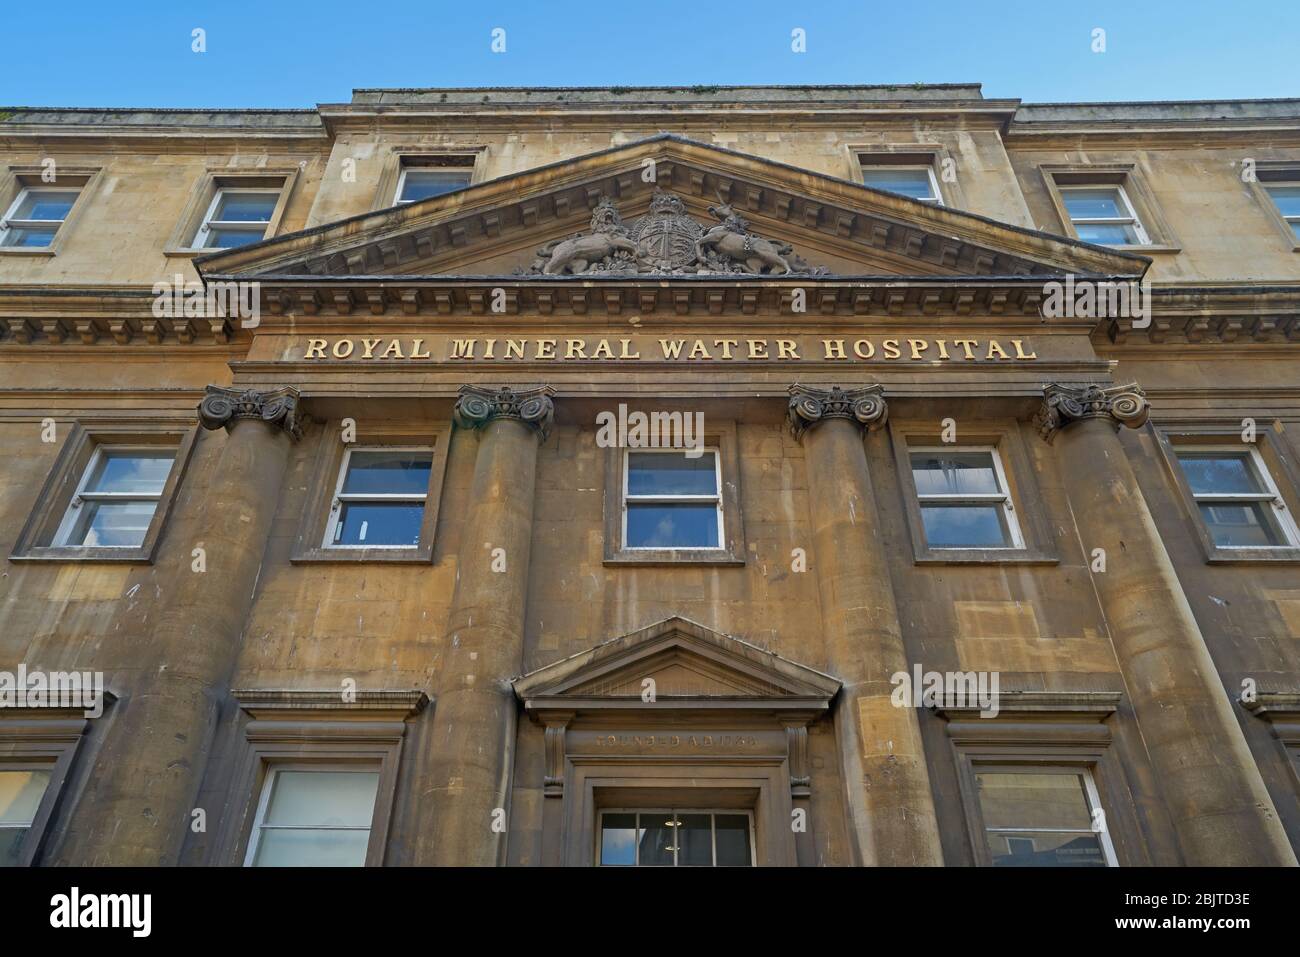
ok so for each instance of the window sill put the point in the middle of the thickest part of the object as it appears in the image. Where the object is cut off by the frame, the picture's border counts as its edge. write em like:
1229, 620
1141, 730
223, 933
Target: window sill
675, 556
50, 553
984, 556
1253, 556
421, 555
1141, 250
28, 251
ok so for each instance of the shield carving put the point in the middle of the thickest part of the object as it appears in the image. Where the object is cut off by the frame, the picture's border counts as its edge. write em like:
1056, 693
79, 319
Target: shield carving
666, 234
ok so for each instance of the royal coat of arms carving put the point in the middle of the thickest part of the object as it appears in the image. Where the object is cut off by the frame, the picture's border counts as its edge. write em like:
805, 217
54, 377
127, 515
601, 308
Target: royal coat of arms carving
666, 240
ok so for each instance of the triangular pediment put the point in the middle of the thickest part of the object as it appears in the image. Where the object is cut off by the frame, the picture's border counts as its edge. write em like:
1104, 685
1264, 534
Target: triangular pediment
675, 662
757, 217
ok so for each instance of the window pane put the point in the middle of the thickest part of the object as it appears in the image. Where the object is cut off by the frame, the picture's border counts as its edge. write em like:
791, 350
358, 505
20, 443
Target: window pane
323, 798
618, 840
311, 848
1240, 525
1045, 850
422, 183
1221, 474
733, 840
379, 523
1107, 234
232, 238
46, 204
237, 207
694, 840
1093, 203
388, 473
1287, 199
671, 473
965, 526
133, 473
112, 524
657, 840
31, 238
20, 795
954, 473
906, 182
1028, 800
672, 526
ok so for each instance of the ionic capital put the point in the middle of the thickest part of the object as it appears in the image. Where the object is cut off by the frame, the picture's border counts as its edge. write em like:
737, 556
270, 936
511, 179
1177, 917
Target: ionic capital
476, 407
1062, 404
221, 408
810, 405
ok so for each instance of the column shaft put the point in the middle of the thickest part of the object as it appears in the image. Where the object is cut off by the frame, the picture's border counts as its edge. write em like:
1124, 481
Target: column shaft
890, 804
137, 803
1211, 784
476, 713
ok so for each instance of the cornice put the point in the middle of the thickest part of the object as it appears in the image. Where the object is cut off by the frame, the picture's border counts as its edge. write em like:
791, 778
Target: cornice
1212, 314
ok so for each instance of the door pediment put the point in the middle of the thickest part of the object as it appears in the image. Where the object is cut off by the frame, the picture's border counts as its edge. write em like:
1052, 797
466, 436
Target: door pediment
641, 208
688, 666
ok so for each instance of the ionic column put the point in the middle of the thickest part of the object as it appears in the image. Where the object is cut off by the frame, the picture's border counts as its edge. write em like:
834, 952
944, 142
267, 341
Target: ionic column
890, 805
137, 803
475, 716
1220, 808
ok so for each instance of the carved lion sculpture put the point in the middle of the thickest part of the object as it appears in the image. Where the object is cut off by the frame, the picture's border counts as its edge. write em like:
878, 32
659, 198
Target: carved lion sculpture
732, 240
577, 253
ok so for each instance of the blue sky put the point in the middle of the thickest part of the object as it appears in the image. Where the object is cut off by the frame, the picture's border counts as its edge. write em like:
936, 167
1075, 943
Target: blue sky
275, 53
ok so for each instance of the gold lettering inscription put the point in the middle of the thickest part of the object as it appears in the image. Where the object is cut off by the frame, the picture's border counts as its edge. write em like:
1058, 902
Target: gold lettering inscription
727, 350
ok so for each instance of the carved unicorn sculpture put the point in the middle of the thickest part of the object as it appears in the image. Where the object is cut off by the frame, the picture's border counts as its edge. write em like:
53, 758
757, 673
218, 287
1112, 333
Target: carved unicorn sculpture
731, 239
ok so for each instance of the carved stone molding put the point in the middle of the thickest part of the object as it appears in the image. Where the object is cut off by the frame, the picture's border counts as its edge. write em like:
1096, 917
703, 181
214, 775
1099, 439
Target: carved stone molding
221, 407
1122, 404
476, 407
810, 405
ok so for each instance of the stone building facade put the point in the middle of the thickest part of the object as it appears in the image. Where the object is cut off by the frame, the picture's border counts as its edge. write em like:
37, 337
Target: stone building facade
817, 476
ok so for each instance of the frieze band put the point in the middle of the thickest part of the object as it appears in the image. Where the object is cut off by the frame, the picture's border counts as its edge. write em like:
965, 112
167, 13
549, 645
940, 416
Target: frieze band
476, 407
1122, 404
810, 405
221, 407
